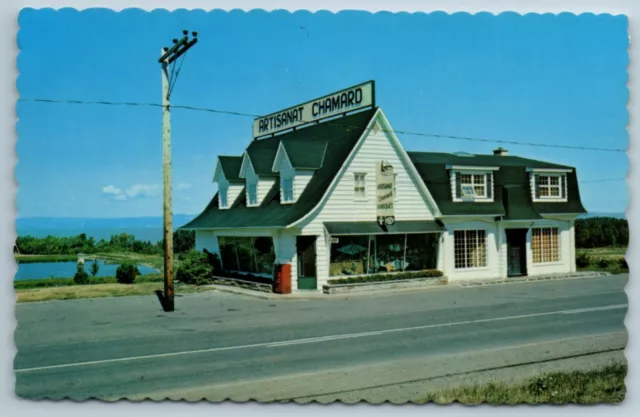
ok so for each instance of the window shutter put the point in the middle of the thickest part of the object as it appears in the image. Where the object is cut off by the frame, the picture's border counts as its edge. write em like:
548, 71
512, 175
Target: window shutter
490, 185
458, 186
563, 185
536, 182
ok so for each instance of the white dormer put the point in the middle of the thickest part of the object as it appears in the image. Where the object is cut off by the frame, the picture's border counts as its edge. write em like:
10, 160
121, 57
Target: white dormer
294, 179
548, 185
256, 187
229, 185
471, 183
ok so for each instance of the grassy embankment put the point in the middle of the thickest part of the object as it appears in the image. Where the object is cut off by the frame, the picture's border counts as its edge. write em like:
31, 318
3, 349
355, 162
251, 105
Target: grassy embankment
601, 386
71, 292
26, 259
153, 261
604, 259
65, 289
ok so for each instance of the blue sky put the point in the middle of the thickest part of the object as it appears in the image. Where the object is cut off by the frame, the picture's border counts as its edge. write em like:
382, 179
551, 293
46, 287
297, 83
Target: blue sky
538, 78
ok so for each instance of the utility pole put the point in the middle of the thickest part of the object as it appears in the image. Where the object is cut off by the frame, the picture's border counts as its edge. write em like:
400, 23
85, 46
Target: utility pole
168, 56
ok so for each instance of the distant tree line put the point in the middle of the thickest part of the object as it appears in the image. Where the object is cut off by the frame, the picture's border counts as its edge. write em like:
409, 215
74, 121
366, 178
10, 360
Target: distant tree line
590, 233
600, 232
183, 241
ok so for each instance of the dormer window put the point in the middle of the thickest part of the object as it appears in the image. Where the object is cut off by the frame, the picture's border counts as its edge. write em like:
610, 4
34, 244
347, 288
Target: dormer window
296, 161
223, 197
549, 185
472, 184
227, 175
287, 190
252, 194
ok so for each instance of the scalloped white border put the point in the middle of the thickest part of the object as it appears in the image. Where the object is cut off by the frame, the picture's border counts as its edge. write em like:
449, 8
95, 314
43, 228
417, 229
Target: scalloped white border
8, 24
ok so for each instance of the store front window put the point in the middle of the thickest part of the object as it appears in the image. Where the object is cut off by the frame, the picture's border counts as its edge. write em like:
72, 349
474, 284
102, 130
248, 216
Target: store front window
254, 255
373, 254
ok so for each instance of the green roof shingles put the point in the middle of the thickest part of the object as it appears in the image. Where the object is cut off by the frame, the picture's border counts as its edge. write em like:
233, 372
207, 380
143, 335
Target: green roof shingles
340, 135
231, 167
305, 153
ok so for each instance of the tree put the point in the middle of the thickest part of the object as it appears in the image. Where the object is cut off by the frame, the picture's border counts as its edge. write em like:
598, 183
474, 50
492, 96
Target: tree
184, 241
95, 268
195, 269
126, 273
601, 232
81, 276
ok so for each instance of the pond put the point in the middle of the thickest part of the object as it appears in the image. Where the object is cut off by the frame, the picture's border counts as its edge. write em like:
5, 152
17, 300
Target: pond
68, 269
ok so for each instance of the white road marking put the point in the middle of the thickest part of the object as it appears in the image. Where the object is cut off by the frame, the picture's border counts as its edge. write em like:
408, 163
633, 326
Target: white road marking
323, 338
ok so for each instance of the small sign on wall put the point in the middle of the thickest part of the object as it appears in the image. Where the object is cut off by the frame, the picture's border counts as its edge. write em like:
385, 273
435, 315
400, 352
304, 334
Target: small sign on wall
385, 186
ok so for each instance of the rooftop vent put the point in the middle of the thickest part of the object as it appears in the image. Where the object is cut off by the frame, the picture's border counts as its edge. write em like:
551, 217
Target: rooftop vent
500, 152
463, 154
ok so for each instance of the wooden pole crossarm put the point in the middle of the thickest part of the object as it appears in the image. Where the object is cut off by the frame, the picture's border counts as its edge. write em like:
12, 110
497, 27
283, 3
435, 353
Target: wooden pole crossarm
172, 49
183, 50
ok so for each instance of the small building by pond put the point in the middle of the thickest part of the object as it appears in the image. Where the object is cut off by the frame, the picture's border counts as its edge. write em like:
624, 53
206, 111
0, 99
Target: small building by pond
327, 187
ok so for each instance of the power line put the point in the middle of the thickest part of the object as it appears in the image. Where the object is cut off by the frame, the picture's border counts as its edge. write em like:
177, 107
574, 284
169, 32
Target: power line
126, 103
605, 180
401, 132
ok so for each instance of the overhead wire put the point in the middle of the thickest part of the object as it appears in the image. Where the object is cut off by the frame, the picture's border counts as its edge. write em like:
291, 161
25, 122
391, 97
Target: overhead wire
396, 131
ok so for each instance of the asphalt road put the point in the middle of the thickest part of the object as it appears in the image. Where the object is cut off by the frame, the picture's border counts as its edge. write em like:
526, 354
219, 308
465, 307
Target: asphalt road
128, 347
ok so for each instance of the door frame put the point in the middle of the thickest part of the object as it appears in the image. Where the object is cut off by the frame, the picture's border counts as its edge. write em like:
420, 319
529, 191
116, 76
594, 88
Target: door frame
304, 282
523, 233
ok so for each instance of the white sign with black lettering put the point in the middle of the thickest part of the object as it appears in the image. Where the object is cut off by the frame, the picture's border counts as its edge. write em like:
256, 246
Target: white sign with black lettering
385, 188
349, 99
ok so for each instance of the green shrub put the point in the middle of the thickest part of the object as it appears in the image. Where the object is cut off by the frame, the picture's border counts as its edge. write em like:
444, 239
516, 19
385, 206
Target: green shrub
126, 273
95, 268
214, 261
428, 273
583, 260
623, 264
195, 269
81, 277
603, 263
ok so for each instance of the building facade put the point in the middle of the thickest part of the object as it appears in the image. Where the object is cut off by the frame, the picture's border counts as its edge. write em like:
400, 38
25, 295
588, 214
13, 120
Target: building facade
340, 197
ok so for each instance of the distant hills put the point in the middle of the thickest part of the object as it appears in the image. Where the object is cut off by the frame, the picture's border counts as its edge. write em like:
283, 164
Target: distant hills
143, 228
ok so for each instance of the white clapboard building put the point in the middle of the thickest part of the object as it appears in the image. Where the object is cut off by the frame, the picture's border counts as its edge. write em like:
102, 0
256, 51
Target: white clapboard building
327, 187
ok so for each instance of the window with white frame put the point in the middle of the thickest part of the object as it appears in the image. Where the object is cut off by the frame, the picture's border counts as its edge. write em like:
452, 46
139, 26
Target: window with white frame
359, 186
252, 194
223, 197
473, 185
470, 249
545, 244
287, 190
549, 186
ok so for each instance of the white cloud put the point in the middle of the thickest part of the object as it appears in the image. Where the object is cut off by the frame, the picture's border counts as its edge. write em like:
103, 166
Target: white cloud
133, 192
110, 189
183, 186
142, 190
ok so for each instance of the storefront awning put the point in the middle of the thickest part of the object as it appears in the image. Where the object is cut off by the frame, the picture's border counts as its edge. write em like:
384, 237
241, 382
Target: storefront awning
373, 228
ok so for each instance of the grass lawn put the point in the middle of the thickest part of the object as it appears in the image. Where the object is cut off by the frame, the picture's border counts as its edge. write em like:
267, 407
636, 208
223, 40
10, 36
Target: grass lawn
601, 386
611, 252
99, 290
153, 261
609, 259
45, 258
